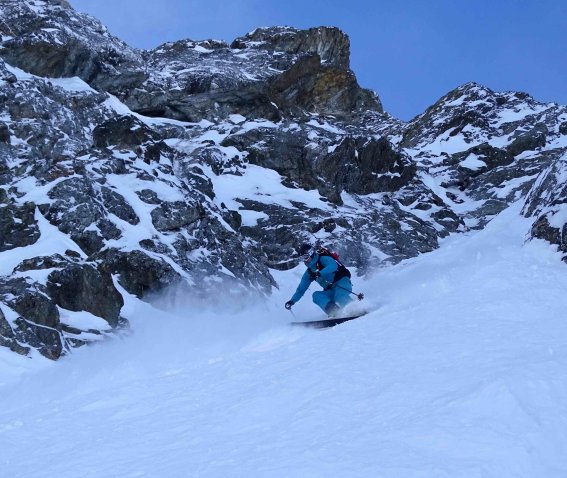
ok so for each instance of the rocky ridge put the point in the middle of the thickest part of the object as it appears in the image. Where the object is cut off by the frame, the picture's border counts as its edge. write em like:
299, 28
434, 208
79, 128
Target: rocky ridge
202, 164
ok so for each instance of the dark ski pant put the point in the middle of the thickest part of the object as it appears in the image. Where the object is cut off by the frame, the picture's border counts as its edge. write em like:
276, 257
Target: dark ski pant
339, 295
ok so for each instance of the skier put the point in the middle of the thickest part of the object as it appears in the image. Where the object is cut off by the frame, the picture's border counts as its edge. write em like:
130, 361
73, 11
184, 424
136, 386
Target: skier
324, 267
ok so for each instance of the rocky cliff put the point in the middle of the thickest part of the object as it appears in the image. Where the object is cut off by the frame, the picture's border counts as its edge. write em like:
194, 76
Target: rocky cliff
204, 164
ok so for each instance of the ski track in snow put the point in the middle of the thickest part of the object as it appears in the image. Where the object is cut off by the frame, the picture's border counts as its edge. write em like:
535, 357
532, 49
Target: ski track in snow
461, 372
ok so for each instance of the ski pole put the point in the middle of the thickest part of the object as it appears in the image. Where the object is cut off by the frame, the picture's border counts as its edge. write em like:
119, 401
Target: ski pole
358, 296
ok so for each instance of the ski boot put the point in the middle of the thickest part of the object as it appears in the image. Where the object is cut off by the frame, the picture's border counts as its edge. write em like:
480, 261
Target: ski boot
332, 310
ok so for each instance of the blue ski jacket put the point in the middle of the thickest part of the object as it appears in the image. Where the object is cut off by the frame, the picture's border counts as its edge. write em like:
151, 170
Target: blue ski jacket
325, 280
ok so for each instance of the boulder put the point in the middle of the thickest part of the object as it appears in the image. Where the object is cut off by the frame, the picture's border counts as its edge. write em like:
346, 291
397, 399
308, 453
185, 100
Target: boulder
172, 216
8, 338
83, 287
117, 205
4, 133
41, 263
123, 132
542, 229
18, 227
38, 324
139, 273
5, 75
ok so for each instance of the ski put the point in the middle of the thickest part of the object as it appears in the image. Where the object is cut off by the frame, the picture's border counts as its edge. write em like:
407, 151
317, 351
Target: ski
326, 323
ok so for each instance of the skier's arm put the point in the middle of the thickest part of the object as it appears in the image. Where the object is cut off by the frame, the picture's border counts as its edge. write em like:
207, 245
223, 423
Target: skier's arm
302, 287
327, 274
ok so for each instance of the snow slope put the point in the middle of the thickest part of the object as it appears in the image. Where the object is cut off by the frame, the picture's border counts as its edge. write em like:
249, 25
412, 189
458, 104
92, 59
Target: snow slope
460, 372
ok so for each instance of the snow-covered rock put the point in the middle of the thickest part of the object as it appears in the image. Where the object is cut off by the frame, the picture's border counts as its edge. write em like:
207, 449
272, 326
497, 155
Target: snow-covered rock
269, 73
547, 203
48, 38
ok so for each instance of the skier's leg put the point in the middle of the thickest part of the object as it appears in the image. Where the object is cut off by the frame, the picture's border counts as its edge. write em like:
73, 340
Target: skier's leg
326, 300
322, 298
342, 290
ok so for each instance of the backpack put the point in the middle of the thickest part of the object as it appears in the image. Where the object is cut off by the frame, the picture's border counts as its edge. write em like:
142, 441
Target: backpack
341, 272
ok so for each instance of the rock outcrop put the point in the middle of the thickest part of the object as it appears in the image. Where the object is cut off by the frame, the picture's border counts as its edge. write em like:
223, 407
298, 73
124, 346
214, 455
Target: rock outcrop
269, 73
547, 204
50, 39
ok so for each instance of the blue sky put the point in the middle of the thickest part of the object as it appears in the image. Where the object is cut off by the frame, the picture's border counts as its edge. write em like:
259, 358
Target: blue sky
411, 52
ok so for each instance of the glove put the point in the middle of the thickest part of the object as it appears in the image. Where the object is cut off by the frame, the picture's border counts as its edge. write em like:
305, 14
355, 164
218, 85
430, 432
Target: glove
314, 275
289, 304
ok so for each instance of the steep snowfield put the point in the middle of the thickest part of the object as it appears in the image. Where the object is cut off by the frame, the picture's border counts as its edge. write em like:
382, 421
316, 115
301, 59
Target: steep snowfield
461, 371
